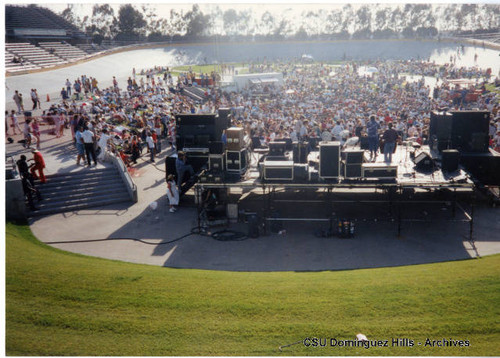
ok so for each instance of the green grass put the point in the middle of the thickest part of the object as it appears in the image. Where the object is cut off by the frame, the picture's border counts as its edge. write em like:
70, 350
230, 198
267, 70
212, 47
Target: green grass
59, 303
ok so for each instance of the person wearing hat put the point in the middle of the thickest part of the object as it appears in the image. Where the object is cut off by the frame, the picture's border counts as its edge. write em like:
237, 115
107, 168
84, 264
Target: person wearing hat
39, 164
172, 193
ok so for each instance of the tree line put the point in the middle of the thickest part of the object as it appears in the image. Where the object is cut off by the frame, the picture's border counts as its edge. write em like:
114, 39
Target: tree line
142, 23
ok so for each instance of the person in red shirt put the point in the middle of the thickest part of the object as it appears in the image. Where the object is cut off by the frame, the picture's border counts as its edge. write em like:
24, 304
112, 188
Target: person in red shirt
39, 164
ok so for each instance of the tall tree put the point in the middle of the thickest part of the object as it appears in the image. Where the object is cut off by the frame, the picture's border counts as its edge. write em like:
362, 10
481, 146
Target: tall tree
130, 21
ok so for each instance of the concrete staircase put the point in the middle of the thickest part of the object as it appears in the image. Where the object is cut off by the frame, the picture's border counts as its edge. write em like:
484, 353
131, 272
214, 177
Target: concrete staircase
89, 187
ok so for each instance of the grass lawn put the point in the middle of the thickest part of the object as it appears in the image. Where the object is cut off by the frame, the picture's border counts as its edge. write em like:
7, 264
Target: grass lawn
59, 303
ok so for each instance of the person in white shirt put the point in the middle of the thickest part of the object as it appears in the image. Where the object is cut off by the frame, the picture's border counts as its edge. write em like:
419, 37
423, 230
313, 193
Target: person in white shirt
88, 142
103, 144
151, 145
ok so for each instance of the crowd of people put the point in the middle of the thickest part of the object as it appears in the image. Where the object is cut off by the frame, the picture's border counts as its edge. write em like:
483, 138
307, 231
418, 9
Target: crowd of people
316, 101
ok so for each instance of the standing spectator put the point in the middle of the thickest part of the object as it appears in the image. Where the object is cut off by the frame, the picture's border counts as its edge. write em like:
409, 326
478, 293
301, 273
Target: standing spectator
103, 144
38, 165
35, 127
18, 99
64, 94
14, 122
172, 193
372, 129
151, 146
33, 98
68, 87
80, 147
27, 133
38, 99
390, 136
78, 89
88, 142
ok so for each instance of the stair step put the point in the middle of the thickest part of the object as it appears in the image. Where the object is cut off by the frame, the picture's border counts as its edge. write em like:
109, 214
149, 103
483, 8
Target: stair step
76, 182
78, 176
80, 206
84, 194
81, 200
68, 190
82, 171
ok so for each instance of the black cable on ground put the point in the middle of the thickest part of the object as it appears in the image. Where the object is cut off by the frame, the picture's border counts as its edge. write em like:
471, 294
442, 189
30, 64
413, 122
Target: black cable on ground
223, 235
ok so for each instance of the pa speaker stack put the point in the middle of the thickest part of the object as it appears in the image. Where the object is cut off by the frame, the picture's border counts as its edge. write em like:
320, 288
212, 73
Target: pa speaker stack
300, 152
329, 160
469, 131
353, 159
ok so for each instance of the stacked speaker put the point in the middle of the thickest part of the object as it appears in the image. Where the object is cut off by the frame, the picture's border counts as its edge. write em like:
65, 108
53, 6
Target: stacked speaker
236, 153
329, 160
351, 163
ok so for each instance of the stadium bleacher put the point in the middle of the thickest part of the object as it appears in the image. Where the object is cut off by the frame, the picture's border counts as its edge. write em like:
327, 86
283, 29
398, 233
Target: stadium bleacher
64, 50
35, 55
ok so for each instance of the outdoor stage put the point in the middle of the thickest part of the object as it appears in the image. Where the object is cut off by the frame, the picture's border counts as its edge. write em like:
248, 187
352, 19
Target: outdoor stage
412, 195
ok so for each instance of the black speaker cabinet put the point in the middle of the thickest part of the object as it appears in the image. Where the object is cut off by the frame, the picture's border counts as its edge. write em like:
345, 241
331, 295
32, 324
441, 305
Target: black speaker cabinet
329, 160
379, 171
216, 147
300, 152
300, 173
277, 148
363, 143
353, 156
423, 161
484, 167
170, 165
450, 159
195, 130
278, 170
479, 142
235, 137
351, 171
197, 158
236, 161
216, 162
440, 122
464, 124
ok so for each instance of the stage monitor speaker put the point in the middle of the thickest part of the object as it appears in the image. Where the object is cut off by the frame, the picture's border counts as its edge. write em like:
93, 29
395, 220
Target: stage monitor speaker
450, 159
300, 152
225, 116
277, 148
424, 162
329, 160
479, 142
216, 147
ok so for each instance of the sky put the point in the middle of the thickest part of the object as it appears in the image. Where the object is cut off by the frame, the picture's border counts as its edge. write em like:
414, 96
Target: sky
258, 7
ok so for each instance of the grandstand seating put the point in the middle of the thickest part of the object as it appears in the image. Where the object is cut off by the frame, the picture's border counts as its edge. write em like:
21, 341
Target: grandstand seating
33, 54
10, 66
33, 21
91, 48
64, 50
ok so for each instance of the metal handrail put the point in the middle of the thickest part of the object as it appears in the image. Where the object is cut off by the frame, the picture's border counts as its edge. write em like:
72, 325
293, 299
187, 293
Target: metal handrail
123, 168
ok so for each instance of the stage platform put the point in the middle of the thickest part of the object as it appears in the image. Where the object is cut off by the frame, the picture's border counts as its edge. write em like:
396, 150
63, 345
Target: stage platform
408, 176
